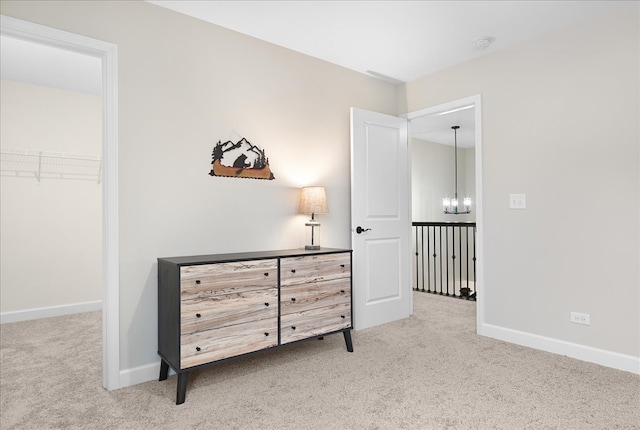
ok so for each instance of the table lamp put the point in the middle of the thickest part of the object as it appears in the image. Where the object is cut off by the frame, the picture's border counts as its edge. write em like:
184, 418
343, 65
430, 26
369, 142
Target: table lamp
313, 200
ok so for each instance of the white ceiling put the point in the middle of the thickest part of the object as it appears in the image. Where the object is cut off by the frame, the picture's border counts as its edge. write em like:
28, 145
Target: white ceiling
437, 128
403, 40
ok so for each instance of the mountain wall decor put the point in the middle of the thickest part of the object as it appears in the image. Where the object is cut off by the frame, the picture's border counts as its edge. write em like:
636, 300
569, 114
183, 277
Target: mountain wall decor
249, 161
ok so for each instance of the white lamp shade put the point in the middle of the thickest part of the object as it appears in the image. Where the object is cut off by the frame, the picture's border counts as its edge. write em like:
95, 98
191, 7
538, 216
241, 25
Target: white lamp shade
313, 200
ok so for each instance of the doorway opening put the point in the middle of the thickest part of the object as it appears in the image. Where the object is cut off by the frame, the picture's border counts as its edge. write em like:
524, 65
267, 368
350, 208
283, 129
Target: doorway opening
107, 53
432, 128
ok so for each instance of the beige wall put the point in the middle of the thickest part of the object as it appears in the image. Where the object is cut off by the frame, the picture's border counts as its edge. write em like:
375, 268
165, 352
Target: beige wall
560, 118
183, 85
432, 178
51, 230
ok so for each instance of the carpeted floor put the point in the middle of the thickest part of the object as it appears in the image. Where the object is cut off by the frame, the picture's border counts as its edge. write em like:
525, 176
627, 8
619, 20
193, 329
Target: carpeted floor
430, 371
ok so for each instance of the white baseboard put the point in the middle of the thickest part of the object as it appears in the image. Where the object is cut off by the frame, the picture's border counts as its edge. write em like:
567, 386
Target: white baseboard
140, 374
53, 311
602, 357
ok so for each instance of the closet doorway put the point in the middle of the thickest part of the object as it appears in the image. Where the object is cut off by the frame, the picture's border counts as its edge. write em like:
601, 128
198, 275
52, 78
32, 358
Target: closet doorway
51, 203
63, 152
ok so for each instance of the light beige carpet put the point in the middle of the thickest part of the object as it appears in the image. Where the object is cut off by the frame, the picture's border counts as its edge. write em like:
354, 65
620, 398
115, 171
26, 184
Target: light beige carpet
430, 371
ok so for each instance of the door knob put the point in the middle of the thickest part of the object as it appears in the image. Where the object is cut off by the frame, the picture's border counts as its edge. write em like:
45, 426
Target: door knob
361, 230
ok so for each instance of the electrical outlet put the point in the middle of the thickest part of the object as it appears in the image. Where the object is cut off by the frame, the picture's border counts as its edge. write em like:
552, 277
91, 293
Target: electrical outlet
578, 318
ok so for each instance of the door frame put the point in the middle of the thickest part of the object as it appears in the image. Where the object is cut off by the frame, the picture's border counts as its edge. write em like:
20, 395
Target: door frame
449, 107
108, 53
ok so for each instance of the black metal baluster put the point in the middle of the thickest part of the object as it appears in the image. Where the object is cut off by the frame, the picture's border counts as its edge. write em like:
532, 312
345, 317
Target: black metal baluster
474, 264
428, 265
435, 277
422, 252
461, 255
466, 236
453, 258
417, 262
440, 242
446, 260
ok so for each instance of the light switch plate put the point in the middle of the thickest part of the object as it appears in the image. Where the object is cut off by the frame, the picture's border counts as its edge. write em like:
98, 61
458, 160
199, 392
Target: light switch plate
517, 201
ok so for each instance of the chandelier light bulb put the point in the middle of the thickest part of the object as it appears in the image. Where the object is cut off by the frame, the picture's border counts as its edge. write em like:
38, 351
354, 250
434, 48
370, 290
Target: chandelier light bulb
446, 203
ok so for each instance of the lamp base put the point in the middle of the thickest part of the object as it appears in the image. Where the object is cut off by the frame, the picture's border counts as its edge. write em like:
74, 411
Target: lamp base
312, 247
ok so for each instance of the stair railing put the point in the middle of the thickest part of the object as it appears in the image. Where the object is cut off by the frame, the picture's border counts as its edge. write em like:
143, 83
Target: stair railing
445, 261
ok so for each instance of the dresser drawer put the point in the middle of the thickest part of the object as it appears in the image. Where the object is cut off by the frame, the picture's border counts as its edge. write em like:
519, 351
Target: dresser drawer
211, 345
314, 268
303, 297
200, 314
315, 322
225, 278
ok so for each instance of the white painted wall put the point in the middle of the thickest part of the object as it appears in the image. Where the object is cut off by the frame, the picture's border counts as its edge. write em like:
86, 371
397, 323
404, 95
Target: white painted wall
432, 178
51, 230
560, 124
183, 85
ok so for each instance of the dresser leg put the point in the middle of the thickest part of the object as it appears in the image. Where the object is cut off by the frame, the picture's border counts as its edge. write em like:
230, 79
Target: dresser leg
347, 340
164, 370
182, 387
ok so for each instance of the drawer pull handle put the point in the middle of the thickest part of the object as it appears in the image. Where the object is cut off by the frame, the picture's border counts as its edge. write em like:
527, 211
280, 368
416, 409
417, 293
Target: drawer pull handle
198, 348
342, 291
266, 333
293, 299
266, 303
342, 316
198, 315
342, 265
293, 270
266, 273
293, 327
198, 281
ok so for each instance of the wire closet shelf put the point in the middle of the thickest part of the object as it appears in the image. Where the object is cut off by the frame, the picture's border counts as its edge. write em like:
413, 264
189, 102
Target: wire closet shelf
50, 165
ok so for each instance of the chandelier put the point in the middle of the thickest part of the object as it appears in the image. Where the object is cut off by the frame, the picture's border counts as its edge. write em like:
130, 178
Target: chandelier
449, 205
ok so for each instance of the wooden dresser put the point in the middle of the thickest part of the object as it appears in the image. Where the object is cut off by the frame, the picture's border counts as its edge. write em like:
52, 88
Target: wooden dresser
217, 307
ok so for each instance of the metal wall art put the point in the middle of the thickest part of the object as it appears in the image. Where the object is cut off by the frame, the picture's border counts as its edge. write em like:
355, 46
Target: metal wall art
249, 161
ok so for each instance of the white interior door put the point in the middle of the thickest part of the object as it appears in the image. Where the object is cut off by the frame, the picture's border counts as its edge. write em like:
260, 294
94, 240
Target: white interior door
380, 218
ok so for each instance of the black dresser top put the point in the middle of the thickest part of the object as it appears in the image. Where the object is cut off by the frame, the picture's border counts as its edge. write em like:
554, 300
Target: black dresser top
242, 256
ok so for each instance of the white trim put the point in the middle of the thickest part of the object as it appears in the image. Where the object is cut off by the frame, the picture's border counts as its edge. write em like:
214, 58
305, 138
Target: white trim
52, 311
455, 105
140, 374
108, 52
589, 354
